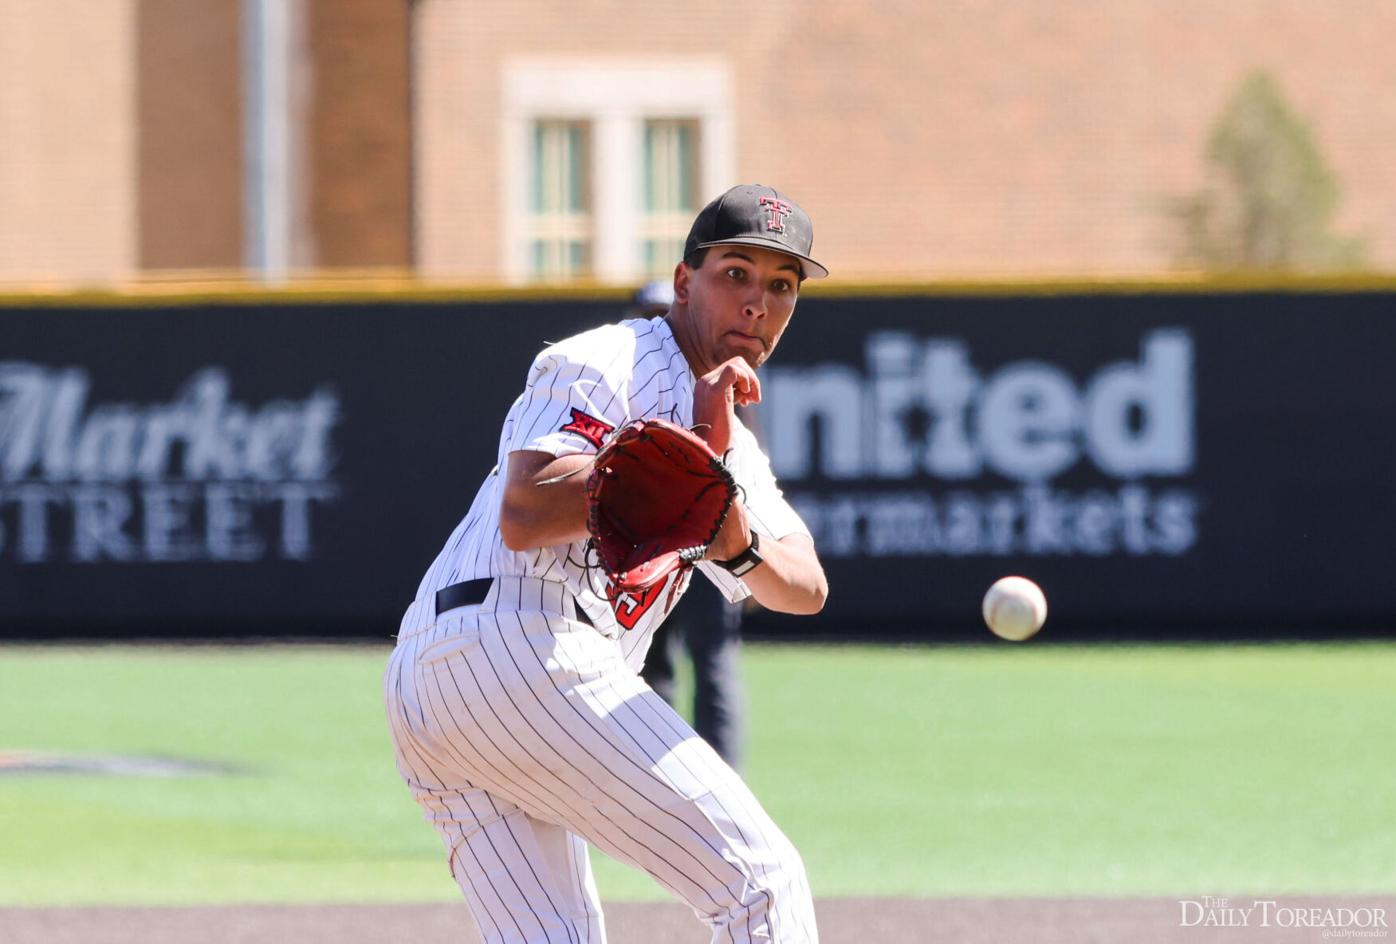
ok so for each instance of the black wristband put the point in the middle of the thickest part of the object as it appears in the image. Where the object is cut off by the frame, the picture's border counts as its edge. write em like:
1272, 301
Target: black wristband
746, 561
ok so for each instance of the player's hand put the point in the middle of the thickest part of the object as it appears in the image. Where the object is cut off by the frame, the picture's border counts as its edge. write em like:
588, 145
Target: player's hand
733, 537
731, 384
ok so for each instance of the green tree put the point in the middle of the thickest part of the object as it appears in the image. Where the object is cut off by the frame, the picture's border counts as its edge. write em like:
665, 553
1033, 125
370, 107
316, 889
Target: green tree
1269, 197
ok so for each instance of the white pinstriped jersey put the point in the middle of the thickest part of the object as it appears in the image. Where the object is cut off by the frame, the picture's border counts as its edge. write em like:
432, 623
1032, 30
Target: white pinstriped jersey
577, 391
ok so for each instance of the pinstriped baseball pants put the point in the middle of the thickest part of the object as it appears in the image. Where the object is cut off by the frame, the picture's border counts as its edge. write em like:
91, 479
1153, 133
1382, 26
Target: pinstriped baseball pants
523, 736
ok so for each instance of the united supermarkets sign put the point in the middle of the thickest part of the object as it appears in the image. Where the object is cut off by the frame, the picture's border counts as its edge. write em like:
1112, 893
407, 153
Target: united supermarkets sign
199, 476
924, 451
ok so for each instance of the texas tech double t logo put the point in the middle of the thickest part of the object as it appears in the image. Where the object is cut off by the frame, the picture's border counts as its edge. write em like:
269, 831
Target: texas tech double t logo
778, 210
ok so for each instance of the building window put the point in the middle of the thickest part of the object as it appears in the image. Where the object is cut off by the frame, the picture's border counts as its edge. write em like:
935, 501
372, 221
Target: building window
560, 220
604, 162
671, 192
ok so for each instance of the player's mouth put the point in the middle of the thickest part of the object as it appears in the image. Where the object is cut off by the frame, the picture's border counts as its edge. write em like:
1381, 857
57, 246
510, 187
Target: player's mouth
742, 336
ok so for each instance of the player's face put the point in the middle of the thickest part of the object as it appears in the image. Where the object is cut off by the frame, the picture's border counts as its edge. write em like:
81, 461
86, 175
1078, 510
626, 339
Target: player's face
739, 302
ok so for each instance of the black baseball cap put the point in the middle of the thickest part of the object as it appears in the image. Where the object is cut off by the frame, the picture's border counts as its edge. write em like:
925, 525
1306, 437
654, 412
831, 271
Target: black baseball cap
756, 215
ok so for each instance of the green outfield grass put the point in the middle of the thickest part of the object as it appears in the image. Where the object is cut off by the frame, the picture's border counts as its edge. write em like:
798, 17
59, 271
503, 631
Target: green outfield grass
995, 770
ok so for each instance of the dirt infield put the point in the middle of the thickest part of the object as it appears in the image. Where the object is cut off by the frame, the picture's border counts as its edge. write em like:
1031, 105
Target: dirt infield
862, 920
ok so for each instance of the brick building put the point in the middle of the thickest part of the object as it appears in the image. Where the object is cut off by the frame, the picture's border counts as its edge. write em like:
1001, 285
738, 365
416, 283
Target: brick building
486, 142
123, 151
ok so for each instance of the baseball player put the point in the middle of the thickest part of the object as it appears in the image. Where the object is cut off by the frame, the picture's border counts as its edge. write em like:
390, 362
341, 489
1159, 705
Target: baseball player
519, 721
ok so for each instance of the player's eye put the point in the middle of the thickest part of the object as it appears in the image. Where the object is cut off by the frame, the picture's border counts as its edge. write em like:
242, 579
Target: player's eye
781, 285
736, 272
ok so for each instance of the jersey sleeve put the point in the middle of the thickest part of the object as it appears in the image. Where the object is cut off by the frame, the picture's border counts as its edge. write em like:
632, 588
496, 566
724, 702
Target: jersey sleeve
733, 589
766, 507
569, 405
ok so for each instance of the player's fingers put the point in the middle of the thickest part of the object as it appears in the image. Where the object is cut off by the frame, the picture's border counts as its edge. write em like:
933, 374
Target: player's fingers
738, 371
753, 392
745, 384
736, 380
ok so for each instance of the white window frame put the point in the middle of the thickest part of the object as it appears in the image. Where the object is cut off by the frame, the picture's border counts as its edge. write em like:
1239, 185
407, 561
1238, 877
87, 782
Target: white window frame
616, 96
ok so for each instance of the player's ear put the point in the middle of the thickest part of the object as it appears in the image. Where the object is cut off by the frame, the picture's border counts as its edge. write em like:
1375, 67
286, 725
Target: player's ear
682, 275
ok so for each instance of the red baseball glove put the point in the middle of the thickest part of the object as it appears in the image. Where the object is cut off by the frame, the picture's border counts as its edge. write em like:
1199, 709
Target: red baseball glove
658, 496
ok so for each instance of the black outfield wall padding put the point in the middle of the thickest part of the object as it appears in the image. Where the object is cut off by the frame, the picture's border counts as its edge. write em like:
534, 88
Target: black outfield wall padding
1160, 463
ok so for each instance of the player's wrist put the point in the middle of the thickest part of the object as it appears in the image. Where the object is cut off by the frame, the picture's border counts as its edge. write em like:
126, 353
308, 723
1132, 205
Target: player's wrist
745, 562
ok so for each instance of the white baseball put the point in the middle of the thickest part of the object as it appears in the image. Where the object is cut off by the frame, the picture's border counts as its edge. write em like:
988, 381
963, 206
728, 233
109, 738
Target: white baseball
1015, 608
